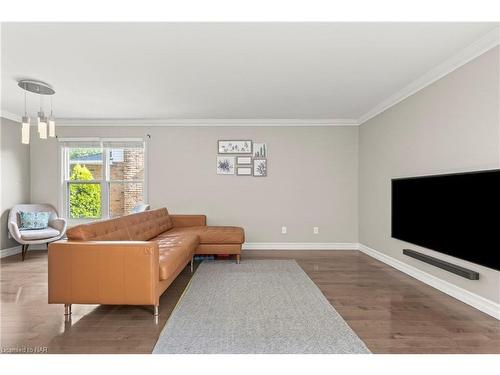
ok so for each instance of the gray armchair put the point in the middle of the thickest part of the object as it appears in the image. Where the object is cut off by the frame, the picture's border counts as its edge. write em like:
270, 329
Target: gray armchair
55, 230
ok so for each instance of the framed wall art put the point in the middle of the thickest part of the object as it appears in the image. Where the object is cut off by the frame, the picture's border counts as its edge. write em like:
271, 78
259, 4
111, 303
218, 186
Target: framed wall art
244, 160
260, 167
235, 147
259, 150
244, 171
225, 165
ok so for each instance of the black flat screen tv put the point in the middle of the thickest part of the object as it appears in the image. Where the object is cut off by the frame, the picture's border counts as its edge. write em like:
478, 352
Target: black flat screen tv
455, 214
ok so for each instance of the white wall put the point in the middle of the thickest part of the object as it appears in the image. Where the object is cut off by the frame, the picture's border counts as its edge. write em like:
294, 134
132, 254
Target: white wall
451, 126
15, 175
312, 178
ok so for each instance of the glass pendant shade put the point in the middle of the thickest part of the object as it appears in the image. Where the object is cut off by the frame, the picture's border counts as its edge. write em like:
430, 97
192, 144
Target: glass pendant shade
43, 130
52, 126
42, 125
25, 130
39, 119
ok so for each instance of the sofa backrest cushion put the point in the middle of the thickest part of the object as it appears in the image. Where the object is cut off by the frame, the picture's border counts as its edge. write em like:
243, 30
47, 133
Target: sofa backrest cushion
146, 225
136, 227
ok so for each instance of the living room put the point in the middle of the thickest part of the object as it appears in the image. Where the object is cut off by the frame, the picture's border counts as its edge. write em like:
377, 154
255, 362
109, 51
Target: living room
250, 187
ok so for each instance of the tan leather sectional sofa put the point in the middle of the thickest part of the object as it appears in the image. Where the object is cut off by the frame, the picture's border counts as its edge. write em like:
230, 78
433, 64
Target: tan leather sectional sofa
133, 259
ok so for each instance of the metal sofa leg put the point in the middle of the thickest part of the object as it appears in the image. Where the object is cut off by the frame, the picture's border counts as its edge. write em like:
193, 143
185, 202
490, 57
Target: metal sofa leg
67, 309
156, 310
237, 258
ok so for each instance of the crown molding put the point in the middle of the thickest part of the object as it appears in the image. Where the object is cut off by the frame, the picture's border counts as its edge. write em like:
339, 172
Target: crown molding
474, 50
10, 116
206, 122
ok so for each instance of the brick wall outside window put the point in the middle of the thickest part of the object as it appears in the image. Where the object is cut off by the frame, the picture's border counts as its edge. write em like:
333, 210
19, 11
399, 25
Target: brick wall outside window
125, 196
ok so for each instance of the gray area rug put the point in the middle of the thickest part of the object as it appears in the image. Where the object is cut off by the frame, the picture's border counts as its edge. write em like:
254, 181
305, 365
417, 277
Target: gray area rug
258, 306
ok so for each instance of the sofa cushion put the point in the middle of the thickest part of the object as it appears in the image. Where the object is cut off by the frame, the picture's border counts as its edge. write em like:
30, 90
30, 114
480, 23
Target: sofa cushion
102, 230
39, 234
212, 234
146, 225
175, 251
136, 227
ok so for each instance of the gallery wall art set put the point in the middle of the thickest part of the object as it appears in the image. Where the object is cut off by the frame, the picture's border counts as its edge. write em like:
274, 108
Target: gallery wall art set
242, 158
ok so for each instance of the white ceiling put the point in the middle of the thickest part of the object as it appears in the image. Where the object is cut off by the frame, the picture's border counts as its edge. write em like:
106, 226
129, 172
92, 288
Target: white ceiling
223, 70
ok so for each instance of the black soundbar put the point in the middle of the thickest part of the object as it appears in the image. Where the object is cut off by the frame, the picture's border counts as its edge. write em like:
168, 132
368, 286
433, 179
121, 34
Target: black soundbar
453, 268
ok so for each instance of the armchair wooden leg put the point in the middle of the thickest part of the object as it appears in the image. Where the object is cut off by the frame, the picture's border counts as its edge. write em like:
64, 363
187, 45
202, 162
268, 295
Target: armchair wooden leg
238, 259
24, 250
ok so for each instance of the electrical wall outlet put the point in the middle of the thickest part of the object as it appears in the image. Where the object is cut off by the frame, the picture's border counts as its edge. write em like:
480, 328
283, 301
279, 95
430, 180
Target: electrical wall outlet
315, 230
283, 230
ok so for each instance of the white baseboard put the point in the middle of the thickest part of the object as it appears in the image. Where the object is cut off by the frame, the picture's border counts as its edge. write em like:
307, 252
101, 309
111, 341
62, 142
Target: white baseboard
300, 246
17, 250
10, 251
485, 305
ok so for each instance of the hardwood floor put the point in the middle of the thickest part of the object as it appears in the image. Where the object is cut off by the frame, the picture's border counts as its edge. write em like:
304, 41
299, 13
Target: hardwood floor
390, 311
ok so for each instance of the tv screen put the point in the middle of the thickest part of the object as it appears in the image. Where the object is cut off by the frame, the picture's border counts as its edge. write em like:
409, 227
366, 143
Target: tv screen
455, 214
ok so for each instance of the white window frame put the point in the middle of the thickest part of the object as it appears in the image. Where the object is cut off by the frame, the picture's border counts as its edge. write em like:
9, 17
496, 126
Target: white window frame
105, 181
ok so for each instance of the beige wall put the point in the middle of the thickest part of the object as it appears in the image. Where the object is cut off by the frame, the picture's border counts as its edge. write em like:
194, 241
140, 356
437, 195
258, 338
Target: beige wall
451, 126
312, 178
15, 175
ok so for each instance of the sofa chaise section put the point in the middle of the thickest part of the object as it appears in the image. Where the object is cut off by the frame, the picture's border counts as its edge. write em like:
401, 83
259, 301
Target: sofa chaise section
212, 239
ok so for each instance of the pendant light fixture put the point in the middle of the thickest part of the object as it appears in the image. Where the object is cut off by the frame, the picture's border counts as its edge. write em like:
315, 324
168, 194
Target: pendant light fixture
42, 122
25, 127
52, 122
39, 88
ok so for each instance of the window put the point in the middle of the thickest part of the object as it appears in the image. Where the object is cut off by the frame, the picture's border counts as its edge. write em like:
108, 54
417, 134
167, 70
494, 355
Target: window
125, 176
102, 178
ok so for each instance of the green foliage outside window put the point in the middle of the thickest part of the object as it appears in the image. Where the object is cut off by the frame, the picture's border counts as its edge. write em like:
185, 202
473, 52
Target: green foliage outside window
77, 153
84, 199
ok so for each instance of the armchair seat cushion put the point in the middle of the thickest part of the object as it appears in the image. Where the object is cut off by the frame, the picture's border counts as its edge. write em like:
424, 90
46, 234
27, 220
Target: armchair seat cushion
39, 234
